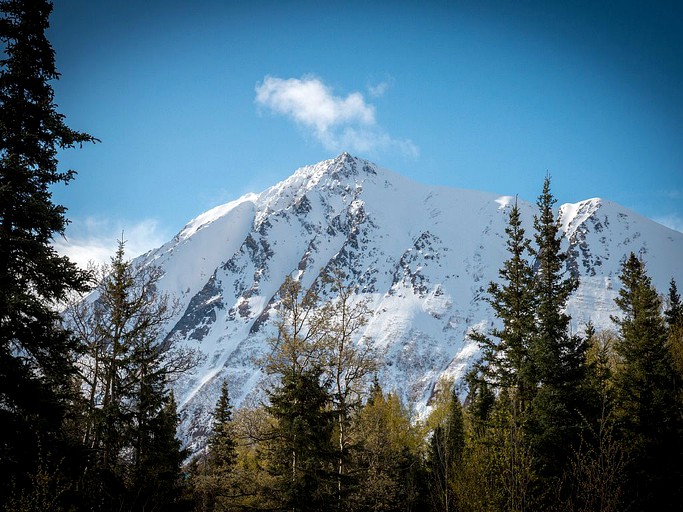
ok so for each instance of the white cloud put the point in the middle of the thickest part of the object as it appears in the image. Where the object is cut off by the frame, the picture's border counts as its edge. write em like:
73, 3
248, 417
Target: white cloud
95, 240
311, 103
368, 141
378, 90
338, 123
673, 221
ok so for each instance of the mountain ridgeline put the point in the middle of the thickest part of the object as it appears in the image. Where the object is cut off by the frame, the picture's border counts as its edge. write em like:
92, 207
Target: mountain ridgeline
421, 256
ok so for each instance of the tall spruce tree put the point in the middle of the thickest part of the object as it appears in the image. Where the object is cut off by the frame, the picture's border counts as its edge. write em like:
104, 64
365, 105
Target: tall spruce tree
674, 321
216, 482
674, 310
35, 353
558, 355
510, 368
302, 454
126, 370
506, 351
645, 385
222, 442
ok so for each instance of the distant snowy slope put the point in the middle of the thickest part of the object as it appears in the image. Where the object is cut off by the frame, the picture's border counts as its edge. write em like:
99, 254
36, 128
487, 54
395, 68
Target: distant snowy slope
600, 235
422, 256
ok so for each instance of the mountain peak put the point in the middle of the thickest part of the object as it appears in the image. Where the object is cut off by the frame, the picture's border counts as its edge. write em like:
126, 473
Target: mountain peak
345, 157
347, 165
420, 258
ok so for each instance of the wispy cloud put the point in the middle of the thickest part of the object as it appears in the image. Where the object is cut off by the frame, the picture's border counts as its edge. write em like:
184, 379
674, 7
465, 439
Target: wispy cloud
378, 90
338, 123
95, 240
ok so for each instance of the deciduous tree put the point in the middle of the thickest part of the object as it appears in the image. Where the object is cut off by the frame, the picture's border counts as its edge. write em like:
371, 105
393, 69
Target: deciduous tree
445, 456
347, 361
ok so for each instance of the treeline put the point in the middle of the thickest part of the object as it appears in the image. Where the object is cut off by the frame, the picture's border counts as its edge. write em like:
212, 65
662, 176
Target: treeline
552, 419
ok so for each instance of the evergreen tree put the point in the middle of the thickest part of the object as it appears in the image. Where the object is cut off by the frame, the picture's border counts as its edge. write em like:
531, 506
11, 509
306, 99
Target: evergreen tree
215, 479
646, 393
595, 474
301, 452
128, 423
507, 361
36, 355
156, 456
445, 456
674, 320
504, 384
155, 482
481, 397
674, 312
222, 443
558, 355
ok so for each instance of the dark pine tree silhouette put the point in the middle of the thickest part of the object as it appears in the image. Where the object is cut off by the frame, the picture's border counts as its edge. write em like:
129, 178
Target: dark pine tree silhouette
674, 311
302, 453
35, 353
559, 356
646, 394
506, 351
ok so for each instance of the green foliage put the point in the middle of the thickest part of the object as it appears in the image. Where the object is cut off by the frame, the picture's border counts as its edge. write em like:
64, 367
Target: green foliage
36, 355
445, 456
222, 444
497, 469
553, 422
674, 311
155, 482
387, 458
128, 419
674, 320
647, 408
533, 360
214, 476
347, 362
507, 361
301, 451
566, 445
510, 368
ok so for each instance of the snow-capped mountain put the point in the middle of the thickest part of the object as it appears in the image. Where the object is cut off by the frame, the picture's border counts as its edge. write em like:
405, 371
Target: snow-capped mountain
422, 256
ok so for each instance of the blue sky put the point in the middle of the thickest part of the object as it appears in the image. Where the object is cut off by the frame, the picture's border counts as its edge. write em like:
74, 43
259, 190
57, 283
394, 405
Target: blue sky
199, 102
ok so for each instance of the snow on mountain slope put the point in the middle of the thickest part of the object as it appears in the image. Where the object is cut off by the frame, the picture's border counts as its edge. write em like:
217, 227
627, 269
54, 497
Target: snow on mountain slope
421, 255
600, 235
